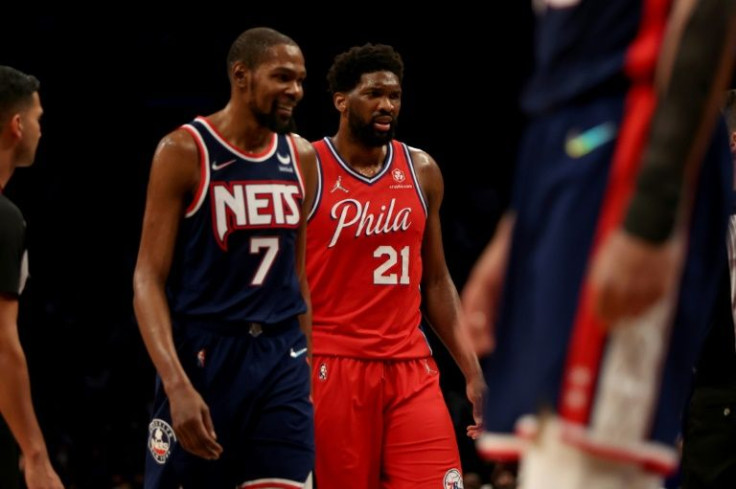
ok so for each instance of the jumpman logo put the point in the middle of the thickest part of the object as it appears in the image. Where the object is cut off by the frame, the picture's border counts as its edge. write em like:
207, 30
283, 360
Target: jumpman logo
338, 186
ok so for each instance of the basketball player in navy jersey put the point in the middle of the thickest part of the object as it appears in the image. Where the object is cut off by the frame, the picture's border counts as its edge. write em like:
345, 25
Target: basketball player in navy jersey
603, 272
20, 131
220, 296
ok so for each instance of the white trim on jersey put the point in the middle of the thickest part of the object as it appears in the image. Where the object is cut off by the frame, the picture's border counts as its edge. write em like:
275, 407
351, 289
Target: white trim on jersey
318, 190
386, 163
204, 160
409, 160
274, 483
236, 151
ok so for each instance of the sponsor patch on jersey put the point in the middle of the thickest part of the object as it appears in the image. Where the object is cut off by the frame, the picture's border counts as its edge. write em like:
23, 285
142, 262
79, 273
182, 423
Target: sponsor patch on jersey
400, 179
453, 480
161, 439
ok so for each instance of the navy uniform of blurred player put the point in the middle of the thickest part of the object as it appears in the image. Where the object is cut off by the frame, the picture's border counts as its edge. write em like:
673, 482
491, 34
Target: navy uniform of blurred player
219, 288
604, 267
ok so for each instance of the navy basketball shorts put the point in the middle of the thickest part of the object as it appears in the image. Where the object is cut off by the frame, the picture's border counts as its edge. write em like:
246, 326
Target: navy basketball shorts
255, 380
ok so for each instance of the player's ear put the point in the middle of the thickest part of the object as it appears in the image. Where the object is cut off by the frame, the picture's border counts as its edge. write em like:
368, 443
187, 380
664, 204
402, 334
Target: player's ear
239, 74
15, 125
340, 100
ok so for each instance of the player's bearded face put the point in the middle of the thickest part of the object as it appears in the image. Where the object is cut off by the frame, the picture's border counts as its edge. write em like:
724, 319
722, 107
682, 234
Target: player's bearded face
273, 109
274, 119
366, 131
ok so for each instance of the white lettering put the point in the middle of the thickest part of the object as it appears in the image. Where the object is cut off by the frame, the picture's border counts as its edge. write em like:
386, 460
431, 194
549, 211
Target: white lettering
254, 205
349, 212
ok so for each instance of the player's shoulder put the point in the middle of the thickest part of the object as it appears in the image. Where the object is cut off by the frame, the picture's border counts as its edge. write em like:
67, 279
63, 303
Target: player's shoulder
303, 145
12, 224
9, 212
420, 158
179, 141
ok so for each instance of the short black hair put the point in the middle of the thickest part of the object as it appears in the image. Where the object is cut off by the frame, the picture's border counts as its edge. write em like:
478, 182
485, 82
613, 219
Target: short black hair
348, 67
251, 46
16, 91
729, 110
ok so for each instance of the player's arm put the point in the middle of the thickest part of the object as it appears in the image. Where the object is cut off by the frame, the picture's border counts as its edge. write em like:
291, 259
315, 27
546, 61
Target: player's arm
440, 299
174, 176
482, 290
636, 264
15, 400
308, 164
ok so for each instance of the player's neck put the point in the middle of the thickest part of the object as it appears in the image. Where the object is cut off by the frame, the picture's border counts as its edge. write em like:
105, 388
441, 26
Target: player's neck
6, 168
367, 160
241, 129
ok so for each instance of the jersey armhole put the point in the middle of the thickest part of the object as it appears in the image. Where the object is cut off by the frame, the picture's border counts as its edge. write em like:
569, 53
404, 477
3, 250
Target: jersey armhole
417, 185
318, 191
204, 170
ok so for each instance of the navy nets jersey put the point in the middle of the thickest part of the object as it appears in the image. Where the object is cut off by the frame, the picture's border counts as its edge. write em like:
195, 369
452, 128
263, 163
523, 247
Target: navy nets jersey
589, 48
235, 251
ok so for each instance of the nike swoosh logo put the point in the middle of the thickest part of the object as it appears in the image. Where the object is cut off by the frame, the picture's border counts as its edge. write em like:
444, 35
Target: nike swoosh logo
284, 160
216, 167
579, 145
298, 353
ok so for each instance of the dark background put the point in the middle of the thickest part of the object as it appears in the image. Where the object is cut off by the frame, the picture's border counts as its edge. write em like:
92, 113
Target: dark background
112, 87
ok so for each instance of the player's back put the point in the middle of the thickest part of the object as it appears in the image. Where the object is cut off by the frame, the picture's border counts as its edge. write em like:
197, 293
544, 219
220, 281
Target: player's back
590, 48
364, 261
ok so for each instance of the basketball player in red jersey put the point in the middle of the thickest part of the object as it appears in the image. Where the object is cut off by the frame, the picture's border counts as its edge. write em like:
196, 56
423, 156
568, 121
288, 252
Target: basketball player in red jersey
375, 262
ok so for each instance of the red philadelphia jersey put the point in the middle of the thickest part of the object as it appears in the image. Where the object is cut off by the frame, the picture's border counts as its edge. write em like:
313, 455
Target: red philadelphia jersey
364, 258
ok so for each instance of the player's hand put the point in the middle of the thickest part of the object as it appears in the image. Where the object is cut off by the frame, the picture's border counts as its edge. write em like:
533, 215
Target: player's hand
475, 389
629, 275
39, 474
483, 288
192, 423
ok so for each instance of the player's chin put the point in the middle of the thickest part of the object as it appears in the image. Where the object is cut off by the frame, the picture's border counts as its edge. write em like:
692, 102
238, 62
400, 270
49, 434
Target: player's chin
283, 124
382, 137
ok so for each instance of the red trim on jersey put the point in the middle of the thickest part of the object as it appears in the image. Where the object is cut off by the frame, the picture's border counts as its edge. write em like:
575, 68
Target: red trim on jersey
235, 149
641, 57
269, 483
297, 162
201, 188
648, 461
588, 335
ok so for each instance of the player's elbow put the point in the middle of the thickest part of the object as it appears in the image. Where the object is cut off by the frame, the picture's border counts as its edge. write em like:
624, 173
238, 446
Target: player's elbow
144, 281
